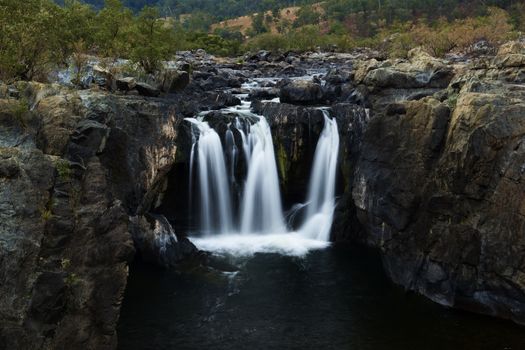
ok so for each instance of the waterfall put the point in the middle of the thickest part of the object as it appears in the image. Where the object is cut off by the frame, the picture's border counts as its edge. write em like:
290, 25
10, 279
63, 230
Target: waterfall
261, 209
214, 192
259, 224
321, 189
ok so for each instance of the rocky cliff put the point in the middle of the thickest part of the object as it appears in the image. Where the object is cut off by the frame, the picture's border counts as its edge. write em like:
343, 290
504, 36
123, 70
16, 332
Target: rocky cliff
74, 166
431, 174
439, 184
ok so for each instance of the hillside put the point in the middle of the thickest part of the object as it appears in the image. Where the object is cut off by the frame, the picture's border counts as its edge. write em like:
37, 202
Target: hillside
135, 5
226, 9
286, 16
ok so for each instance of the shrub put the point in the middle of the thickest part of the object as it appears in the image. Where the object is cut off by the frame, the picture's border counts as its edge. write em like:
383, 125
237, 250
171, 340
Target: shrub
150, 40
442, 36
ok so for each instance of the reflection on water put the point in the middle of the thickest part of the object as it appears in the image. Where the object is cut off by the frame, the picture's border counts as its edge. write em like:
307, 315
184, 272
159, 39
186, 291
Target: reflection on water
335, 298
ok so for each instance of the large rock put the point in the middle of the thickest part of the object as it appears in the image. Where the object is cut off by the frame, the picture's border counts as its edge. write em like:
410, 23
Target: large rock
441, 193
420, 71
74, 166
157, 242
172, 80
147, 90
301, 92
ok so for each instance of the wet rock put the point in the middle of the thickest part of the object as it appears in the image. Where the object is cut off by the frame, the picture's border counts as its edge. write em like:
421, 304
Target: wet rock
433, 186
292, 71
218, 100
157, 242
338, 76
70, 177
263, 94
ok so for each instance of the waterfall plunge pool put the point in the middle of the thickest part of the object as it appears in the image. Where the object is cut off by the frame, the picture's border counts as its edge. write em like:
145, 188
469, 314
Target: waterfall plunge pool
289, 288
333, 298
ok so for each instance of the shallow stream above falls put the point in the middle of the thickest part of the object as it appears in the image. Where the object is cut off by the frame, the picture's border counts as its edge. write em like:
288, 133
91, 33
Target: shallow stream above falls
282, 285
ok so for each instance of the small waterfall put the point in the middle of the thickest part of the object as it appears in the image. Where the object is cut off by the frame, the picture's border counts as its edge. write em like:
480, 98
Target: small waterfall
213, 180
261, 209
258, 225
321, 190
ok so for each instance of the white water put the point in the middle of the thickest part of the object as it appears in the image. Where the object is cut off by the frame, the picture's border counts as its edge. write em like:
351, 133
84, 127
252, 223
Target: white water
260, 227
215, 200
321, 190
261, 209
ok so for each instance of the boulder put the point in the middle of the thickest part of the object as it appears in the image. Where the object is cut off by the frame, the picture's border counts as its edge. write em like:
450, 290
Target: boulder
126, 84
292, 71
301, 92
512, 47
420, 71
263, 94
147, 90
172, 80
157, 242
218, 100
103, 77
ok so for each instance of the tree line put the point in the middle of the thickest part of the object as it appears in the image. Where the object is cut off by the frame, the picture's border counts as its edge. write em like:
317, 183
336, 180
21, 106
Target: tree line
39, 35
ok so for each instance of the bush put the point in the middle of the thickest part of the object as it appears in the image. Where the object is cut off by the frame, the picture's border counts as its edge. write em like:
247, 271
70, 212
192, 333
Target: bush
31, 38
443, 36
150, 40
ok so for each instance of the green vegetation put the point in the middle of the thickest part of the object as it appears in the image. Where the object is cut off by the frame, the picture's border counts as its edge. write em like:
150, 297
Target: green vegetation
225, 8
63, 169
39, 35
46, 214
391, 32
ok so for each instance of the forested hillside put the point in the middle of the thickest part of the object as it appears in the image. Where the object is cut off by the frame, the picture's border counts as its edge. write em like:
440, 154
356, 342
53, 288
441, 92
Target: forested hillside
135, 5
226, 8
39, 34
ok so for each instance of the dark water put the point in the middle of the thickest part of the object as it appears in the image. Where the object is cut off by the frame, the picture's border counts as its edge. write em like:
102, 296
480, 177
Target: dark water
338, 298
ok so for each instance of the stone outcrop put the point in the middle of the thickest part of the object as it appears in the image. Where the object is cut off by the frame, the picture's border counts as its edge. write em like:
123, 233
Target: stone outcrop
439, 188
301, 92
74, 166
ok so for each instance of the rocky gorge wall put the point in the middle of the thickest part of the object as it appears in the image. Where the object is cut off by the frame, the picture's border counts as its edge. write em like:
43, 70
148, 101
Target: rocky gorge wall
439, 186
430, 173
74, 166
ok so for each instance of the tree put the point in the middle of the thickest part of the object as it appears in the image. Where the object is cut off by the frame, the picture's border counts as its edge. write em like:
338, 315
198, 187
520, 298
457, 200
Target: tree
151, 40
30, 40
306, 15
258, 25
112, 29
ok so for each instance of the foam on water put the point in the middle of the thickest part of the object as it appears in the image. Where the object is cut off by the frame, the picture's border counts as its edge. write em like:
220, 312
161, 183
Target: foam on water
246, 244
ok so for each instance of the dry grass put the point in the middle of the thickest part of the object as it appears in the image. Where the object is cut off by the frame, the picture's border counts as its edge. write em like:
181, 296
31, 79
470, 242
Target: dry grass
244, 23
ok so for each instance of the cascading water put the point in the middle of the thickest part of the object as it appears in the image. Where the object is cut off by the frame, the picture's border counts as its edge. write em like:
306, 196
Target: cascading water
321, 190
261, 209
215, 203
259, 227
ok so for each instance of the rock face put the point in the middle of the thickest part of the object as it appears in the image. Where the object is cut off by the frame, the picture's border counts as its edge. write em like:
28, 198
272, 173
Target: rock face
74, 166
157, 242
431, 172
439, 188
301, 92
